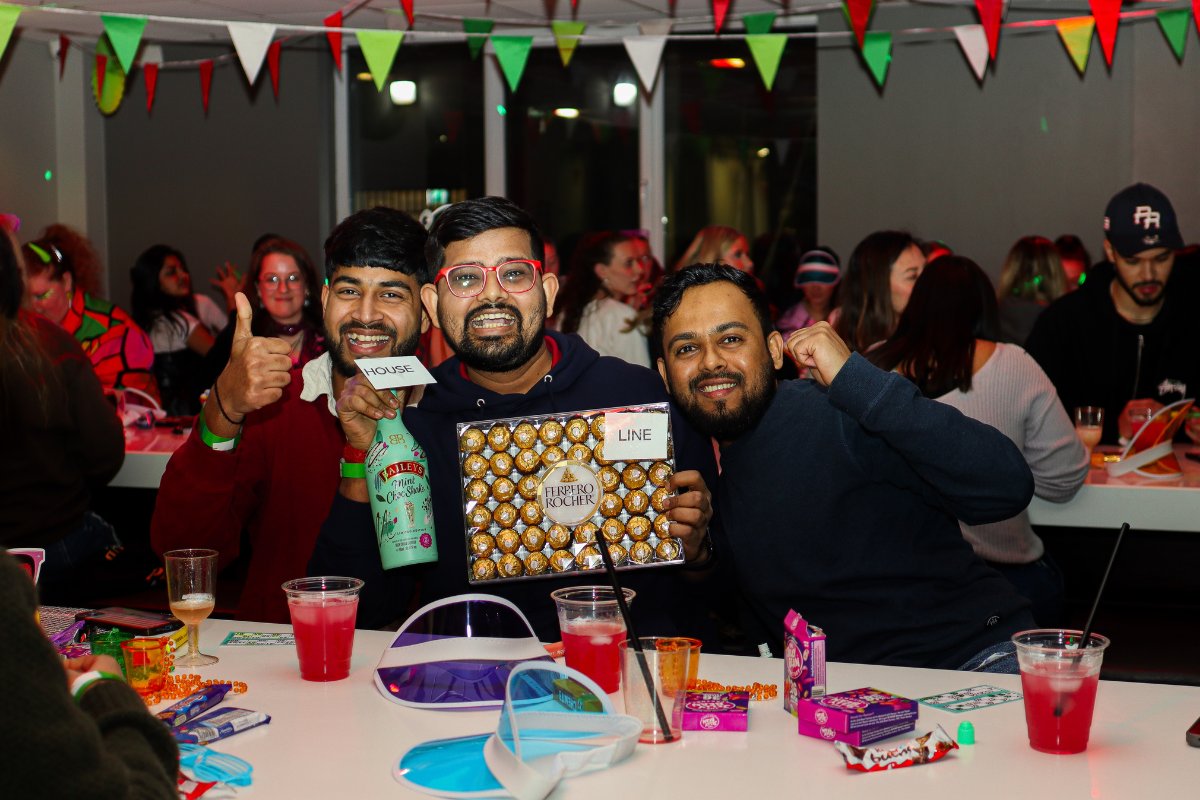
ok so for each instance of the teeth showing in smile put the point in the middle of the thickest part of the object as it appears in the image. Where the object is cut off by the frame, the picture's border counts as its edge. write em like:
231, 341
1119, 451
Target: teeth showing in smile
492, 320
717, 387
366, 339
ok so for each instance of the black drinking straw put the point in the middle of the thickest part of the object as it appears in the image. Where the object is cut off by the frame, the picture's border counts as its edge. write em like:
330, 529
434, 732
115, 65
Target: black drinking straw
633, 639
1087, 629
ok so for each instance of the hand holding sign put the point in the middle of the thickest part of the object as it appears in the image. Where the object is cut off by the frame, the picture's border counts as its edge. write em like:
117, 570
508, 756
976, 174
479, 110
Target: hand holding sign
366, 398
256, 373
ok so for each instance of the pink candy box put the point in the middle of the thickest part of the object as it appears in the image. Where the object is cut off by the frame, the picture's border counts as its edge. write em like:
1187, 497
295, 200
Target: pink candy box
857, 710
716, 711
857, 738
803, 661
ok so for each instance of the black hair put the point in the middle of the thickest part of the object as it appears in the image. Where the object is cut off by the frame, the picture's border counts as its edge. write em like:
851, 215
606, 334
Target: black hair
378, 237
148, 301
582, 281
670, 294
864, 293
266, 237
468, 219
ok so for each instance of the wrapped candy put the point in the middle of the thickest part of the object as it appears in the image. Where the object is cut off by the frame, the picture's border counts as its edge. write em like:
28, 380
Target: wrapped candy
922, 750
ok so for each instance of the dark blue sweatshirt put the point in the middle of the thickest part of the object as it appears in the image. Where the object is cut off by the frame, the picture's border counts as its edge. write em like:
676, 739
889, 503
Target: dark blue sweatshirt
843, 503
666, 604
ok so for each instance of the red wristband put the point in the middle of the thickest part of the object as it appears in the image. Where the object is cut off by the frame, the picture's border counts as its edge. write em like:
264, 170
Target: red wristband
352, 455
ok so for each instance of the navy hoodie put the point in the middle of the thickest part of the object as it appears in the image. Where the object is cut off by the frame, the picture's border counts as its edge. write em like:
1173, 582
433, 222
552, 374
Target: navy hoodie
666, 604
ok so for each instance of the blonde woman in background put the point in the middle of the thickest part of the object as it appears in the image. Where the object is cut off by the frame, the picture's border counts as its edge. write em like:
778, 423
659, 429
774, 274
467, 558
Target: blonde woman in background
1032, 278
718, 244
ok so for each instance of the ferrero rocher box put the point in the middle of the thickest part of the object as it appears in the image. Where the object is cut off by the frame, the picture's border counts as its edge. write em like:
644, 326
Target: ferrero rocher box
542, 493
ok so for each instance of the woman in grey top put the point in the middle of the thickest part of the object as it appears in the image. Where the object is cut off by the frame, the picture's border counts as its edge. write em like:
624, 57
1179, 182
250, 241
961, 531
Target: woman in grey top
945, 343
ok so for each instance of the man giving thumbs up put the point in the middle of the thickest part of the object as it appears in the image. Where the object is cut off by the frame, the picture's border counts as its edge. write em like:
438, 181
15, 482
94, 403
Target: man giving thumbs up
264, 455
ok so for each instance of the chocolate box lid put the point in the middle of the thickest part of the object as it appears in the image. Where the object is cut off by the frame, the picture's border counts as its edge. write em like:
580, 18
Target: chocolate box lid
857, 709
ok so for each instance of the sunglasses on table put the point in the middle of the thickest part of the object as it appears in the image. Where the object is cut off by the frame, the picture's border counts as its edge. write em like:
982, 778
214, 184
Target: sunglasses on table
468, 280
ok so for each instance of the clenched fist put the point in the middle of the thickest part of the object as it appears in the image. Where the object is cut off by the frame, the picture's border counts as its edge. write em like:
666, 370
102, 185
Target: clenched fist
254, 377
360, 406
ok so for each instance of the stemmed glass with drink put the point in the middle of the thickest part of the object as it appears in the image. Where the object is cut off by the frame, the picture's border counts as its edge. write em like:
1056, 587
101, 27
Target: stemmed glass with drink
192, 590
1089, 424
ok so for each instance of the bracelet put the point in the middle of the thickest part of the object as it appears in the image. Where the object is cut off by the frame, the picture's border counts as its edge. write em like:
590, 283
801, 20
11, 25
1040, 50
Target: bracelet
218, 443
217, 395
700, 566
84, 681
352, 455
352, 469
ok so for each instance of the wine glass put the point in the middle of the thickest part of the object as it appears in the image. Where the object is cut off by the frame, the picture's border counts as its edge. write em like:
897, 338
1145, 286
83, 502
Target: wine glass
191, 587
1089, 424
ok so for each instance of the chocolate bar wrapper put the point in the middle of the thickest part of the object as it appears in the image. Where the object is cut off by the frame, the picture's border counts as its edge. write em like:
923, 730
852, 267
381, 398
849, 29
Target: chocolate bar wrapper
803, 661
219, 724
922, 750
858, 738
856, 709
716, 711
194, 705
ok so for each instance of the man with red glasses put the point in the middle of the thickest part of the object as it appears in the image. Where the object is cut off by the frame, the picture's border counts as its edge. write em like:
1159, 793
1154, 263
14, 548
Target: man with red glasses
491, 299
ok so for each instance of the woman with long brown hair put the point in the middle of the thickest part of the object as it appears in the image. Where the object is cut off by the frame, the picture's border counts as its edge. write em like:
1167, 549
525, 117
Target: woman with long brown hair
1033, 277
718, 244
875, 288
606, 270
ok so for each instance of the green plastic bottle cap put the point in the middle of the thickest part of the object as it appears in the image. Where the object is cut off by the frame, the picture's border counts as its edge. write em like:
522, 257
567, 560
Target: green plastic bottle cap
966, 733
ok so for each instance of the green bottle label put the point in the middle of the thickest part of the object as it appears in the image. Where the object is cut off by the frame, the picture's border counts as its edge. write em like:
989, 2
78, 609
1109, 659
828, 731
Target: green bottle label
401, 500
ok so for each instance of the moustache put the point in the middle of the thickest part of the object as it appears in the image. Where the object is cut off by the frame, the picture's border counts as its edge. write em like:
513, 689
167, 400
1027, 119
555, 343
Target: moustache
736, 377
380, 327
1140, 284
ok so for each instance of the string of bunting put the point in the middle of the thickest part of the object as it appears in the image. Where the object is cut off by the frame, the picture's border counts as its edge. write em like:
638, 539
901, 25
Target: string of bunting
255, 42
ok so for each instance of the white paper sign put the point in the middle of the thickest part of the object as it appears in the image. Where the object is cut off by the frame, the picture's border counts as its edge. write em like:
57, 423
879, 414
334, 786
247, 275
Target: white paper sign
394, 372
635, 436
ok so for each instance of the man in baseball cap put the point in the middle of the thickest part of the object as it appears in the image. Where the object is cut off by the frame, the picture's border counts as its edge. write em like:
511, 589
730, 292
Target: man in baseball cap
1128, 338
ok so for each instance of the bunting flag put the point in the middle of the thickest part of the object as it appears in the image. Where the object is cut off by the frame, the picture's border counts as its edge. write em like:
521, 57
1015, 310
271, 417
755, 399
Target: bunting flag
251, 40
379, 49
101, 73
566, 37
767, 50
877, 52
1107, 15
1076, 35
1174, 24
645, 52
408, 11
477, 26
334, 20
990, 14
125, 34
273, 65
758, 23
150, 75
1195, 14
720, 9
8, 20
512, 52
108, 79
206, 68
973, 40
858, 12
662, 27
64, 44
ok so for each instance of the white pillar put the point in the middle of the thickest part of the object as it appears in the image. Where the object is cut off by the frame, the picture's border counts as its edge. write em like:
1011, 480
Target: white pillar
494, 151
652, 170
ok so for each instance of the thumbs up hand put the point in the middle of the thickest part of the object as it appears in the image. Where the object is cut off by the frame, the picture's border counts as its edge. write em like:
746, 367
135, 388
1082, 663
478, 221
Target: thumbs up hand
257, 370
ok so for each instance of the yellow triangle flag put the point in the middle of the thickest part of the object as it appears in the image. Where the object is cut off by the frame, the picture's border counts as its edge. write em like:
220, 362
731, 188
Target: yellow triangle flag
1076, 35
566, 37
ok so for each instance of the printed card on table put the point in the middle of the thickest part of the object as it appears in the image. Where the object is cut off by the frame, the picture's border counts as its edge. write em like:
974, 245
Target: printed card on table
251, 639
975, 697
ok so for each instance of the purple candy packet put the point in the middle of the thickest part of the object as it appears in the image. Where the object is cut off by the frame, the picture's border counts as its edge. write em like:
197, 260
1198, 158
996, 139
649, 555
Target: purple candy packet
716, 711
194, 705
857, 709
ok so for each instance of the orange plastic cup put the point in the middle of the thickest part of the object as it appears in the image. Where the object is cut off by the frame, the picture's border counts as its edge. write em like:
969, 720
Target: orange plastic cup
693, 645
145, 665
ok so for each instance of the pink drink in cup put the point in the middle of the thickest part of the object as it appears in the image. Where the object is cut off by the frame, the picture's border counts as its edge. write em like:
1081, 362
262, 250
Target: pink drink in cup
323, 612
592, 630
1059, 681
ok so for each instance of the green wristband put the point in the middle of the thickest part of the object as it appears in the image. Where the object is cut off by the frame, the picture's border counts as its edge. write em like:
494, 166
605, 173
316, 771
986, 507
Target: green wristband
354, 470
218, 443
84, 682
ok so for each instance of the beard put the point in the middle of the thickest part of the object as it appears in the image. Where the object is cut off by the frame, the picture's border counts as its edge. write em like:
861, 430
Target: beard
725, 423
345, 365
1136, 296
498, 355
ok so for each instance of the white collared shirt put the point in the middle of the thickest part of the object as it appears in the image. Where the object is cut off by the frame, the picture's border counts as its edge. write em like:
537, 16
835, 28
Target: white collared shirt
318, 380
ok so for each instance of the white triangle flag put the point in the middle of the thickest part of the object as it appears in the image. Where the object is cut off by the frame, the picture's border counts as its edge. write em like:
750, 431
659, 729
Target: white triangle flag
973, 41
645, 52
655, 27
251, 40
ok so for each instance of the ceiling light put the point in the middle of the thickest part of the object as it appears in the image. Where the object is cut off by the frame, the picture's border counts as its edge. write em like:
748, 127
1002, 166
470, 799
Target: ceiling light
764, 152
364, 76
566, 113
404, 93
625, 94
727, 63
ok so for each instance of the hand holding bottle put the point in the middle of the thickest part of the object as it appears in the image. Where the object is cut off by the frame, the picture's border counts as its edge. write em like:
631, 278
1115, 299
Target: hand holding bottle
360, 406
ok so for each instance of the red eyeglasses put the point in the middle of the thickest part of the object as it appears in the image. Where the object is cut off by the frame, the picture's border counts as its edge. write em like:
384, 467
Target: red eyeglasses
468, 280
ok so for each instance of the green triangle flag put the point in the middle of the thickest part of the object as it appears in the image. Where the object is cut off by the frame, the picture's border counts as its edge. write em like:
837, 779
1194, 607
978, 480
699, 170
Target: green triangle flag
565, 36
512, 52
379, 49
1076, 35
767, 49
1173, 22
125, 34
8, 20
759, 23
877, 52
483, 26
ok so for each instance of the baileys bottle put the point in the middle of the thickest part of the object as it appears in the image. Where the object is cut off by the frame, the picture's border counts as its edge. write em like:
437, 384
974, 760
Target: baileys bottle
401, 501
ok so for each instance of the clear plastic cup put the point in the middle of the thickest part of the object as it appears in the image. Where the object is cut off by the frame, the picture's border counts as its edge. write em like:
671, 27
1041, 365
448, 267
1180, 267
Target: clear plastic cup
668, 665
1060, 681
323, 611
592, 628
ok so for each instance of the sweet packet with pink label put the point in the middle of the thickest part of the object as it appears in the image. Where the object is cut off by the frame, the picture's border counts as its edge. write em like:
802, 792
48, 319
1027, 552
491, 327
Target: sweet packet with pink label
803, 661
716, 711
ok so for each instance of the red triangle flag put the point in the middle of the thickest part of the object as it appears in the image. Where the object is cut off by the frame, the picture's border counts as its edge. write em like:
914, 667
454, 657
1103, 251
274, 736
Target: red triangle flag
101, 68
990, 13
1107, 14
273, 65
150, 75
859, 12
334, 20
64, 43
408, 4
720, 7
1196, 14
205, 80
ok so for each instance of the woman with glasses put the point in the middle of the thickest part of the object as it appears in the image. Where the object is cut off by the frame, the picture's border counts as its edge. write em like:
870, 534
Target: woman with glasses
606, 271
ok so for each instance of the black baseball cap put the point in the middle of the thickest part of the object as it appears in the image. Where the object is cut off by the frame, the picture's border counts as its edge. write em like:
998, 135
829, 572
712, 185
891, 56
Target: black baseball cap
1140, 218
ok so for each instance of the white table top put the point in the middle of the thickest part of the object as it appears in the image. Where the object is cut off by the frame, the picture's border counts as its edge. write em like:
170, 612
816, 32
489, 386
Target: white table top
1145, 503
146, 455
341, 739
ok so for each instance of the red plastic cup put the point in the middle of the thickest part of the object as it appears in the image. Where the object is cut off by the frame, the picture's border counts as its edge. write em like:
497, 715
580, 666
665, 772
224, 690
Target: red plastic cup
323, 611
1060, 682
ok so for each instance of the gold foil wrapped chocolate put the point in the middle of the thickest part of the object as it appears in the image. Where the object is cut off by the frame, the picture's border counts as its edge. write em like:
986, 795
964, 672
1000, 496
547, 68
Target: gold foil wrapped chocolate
508, 541
536, 563
534, 538
499, 437
472, 441
612, 529
484, 569
525, 436
577, 429
503, 489
558, 536
509, 566
636, 502
561, 560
